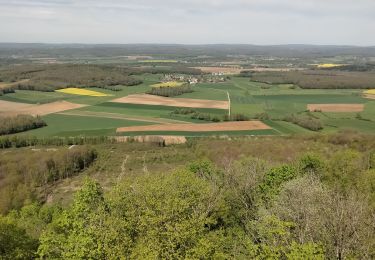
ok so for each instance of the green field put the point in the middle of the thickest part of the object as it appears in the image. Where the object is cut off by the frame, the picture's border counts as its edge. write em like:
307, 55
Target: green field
248, 98
64, 125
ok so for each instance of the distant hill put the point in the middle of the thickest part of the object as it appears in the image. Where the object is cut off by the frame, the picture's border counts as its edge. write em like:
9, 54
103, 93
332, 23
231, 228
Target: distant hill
105, 50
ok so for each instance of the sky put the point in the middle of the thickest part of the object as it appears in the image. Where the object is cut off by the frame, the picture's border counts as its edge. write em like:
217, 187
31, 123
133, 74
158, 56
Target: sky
263, 22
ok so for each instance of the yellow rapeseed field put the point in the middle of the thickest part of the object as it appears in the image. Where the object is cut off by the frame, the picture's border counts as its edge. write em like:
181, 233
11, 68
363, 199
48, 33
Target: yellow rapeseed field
370, 91
329, 65
168, 84
82, 92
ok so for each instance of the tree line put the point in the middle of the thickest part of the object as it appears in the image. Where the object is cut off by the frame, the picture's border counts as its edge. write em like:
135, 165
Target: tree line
20, 123
52, 77
317, 79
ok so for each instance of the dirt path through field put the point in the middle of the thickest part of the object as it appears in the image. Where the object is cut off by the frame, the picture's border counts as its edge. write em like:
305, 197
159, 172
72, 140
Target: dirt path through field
121, 116
336, 107
211, 127
144, 99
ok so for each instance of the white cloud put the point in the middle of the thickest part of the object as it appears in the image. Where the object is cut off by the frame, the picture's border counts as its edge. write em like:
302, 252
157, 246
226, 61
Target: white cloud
189, 21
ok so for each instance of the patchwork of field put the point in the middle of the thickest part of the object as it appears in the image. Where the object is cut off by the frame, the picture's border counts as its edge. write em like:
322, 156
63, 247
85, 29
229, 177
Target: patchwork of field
144, 99
210, 127
74, 114
12, 108
336, 107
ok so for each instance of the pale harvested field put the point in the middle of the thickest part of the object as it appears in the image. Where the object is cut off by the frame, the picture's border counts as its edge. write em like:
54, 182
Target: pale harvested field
144, 99
224, 70
336, 107
13, 108
211, 127
6, 106
370, 96
11, 84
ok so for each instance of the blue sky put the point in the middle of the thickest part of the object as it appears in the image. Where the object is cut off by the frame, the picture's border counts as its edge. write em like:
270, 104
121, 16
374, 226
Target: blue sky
346, 22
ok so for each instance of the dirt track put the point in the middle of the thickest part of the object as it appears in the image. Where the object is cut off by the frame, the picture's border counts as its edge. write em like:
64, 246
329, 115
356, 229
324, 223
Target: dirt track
336, 107
145, 99
211, 127
13, 108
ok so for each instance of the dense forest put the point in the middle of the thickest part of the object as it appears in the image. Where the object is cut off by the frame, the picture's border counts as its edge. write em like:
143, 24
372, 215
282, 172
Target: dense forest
20, 123
299, 198
317, 79
51, 77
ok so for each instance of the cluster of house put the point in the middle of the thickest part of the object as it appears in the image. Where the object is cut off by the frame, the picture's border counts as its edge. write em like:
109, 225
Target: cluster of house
193, 79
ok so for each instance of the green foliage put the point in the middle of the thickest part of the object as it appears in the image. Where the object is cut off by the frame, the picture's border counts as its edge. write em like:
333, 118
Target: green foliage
231, 206
274, 178
14, 242
203, 168
312, 163
345, 169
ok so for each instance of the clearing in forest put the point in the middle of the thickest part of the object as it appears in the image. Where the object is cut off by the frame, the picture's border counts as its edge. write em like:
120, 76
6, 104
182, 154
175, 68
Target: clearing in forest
144, 99
210, 127
13, 108
336, 107
82, 92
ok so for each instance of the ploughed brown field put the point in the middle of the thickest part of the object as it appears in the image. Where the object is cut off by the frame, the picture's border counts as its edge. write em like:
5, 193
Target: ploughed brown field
210, 127
224, 70
144, 99
13, 108
336, 107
